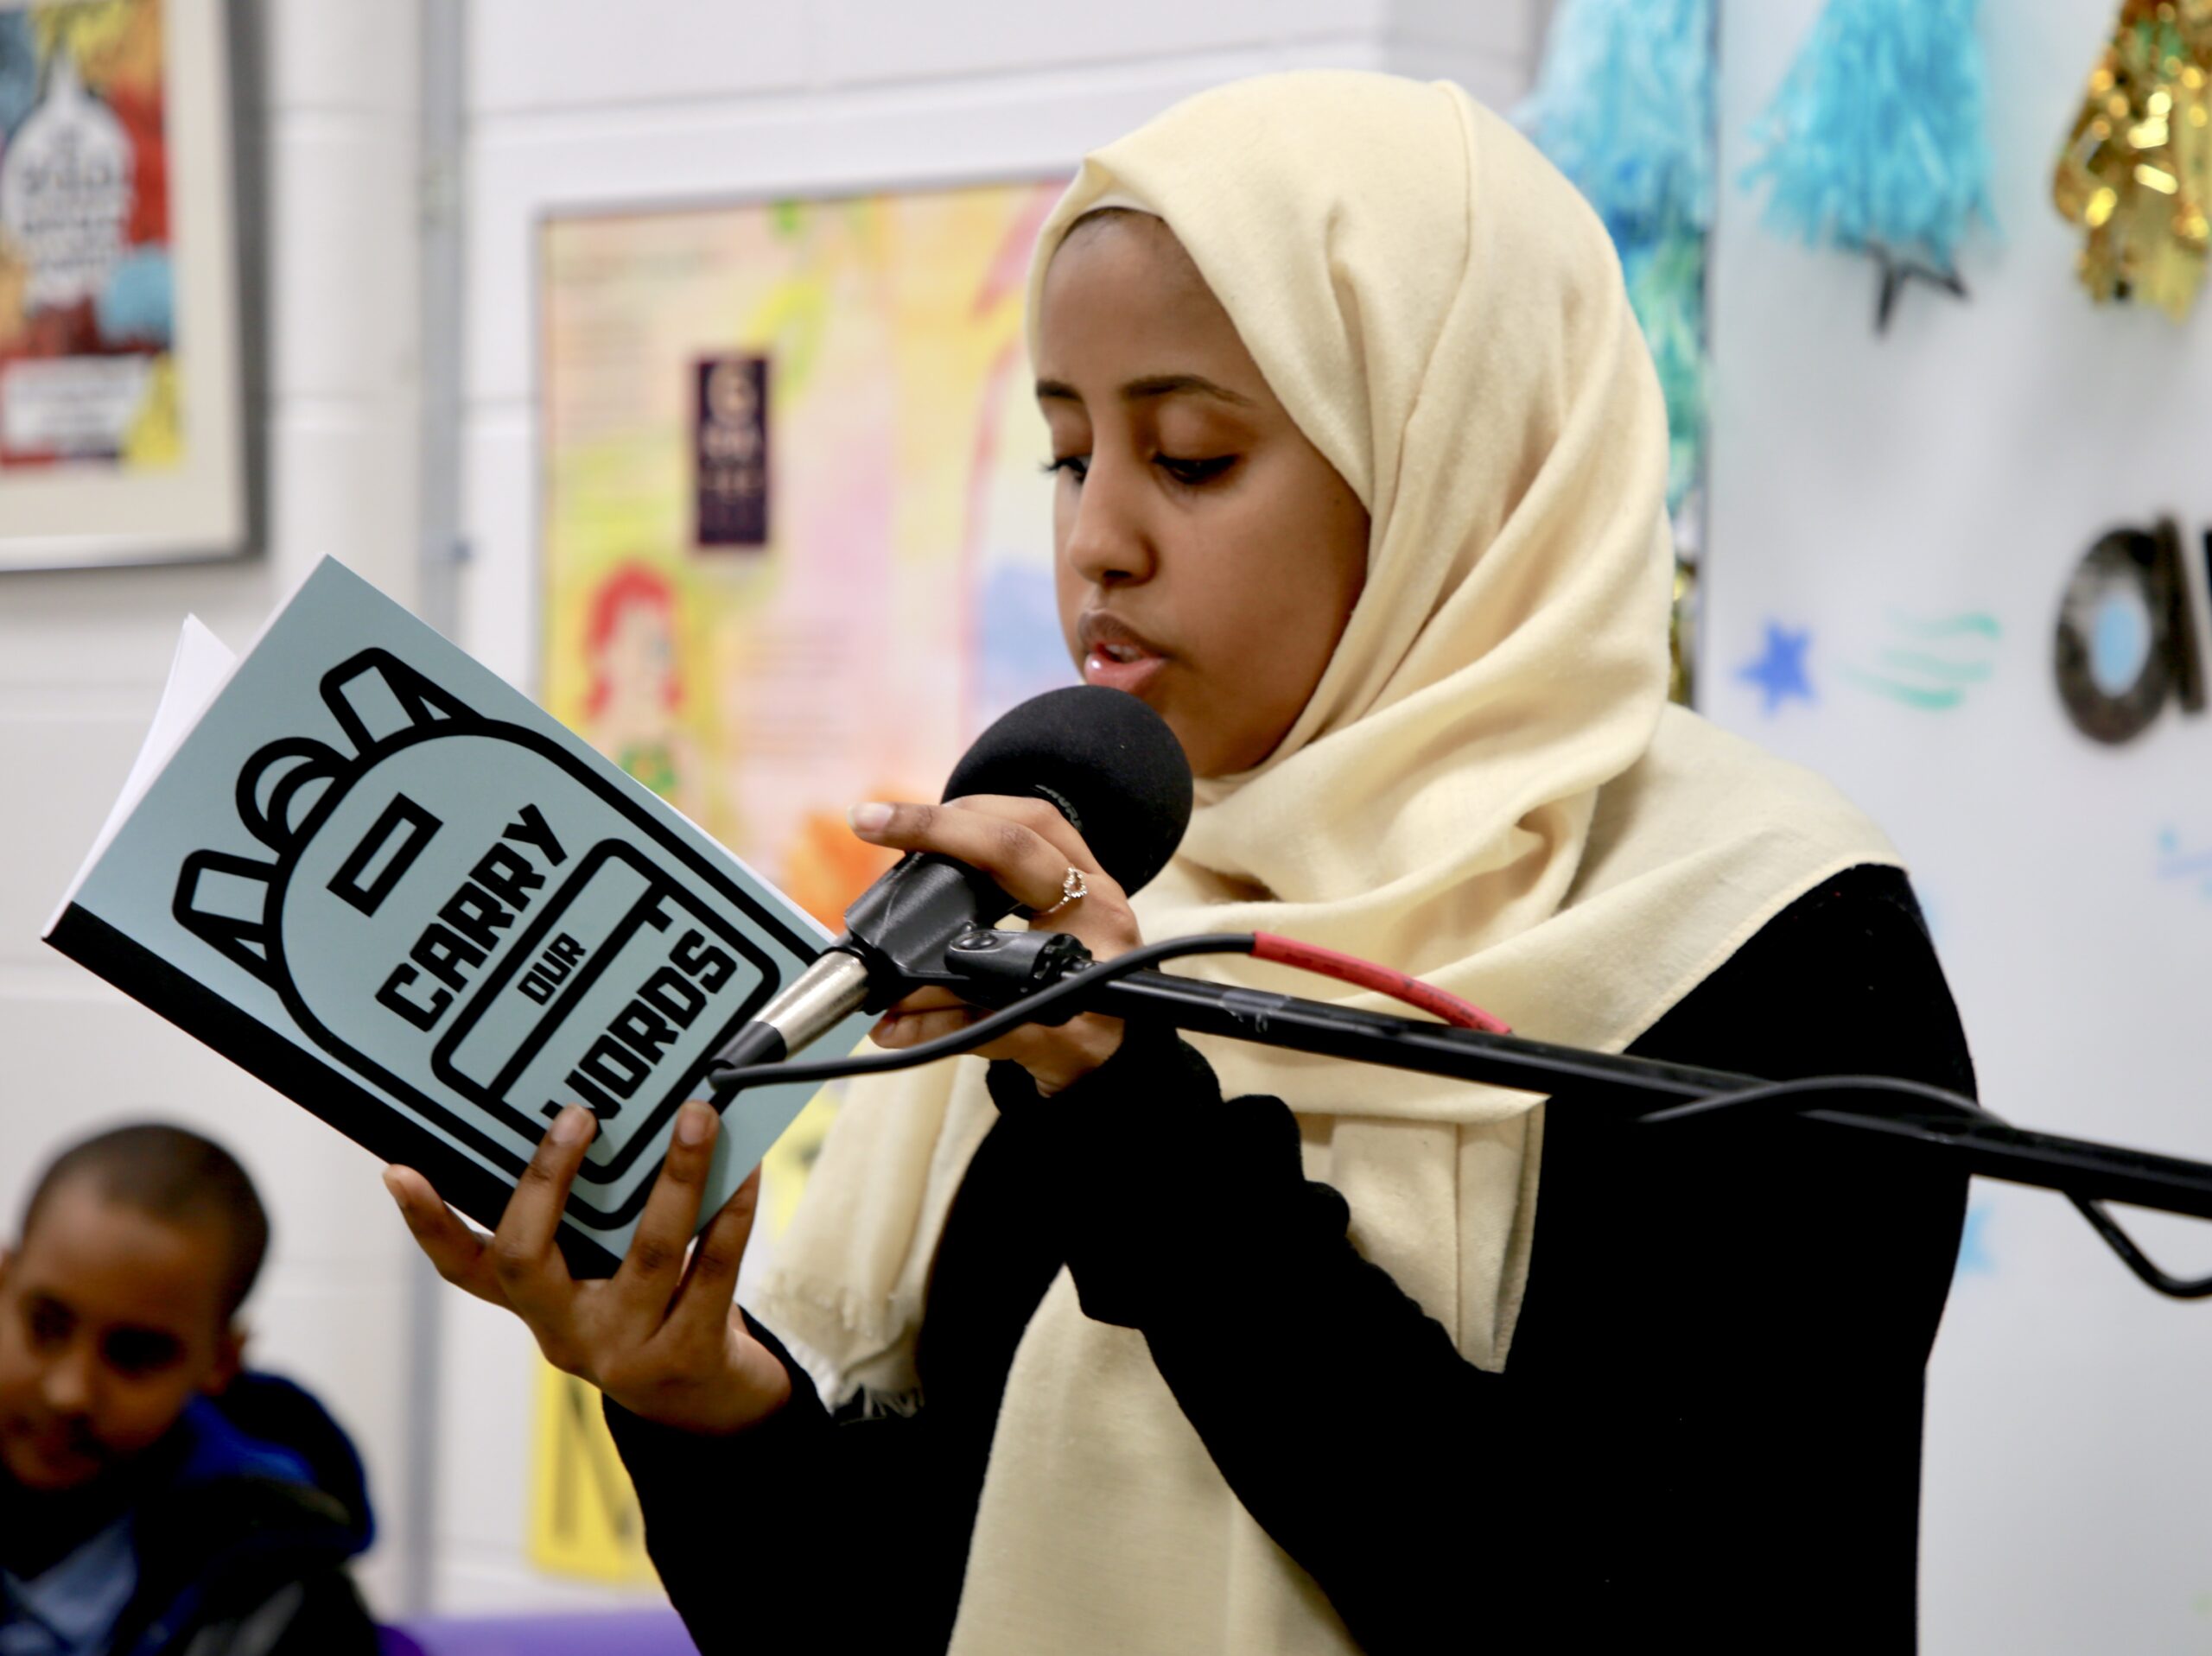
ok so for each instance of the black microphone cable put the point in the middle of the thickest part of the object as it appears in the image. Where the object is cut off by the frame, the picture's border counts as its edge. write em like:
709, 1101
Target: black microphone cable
727, 1080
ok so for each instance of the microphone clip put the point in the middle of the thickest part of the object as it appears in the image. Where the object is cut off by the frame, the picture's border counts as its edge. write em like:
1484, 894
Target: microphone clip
997, 968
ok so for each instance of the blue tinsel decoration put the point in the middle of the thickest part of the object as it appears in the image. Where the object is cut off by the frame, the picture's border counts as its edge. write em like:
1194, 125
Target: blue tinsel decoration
1875, 141
1624, 106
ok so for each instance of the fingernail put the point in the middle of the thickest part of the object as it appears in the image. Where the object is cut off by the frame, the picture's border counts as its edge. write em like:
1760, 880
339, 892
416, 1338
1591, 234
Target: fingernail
871, 818
572, 1126
395, 1186
695, 1123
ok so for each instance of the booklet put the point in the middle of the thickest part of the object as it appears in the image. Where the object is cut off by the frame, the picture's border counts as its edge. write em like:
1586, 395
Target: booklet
367, 869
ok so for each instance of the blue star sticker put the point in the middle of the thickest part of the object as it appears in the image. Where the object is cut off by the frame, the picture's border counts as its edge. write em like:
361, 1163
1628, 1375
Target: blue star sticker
1781, 671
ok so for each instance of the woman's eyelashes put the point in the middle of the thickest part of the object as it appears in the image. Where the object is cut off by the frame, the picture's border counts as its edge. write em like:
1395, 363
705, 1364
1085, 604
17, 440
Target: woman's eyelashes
1191, 473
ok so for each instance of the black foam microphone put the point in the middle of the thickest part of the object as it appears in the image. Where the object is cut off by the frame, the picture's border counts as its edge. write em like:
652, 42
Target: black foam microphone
1101, 757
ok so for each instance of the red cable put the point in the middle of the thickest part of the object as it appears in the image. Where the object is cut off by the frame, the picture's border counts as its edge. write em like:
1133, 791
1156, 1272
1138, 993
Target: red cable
1350, 969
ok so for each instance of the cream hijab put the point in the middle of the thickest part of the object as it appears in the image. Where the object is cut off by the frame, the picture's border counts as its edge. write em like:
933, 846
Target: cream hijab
1487, 789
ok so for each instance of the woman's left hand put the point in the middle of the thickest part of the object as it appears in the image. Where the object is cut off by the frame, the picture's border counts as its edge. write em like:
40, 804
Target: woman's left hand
1028, 848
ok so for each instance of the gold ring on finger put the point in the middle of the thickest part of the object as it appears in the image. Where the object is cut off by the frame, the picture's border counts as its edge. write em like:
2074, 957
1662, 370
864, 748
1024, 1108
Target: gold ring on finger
1073, 889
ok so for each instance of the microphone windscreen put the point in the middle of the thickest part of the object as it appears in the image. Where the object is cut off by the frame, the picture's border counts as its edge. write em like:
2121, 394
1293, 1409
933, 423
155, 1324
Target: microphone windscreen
1105, 759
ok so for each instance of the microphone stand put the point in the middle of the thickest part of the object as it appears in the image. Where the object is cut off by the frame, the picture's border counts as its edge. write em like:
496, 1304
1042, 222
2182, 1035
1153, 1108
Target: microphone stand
1001, 968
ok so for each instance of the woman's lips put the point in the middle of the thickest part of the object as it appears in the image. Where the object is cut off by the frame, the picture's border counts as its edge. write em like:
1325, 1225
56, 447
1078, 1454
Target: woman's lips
1115, 654
1121, 667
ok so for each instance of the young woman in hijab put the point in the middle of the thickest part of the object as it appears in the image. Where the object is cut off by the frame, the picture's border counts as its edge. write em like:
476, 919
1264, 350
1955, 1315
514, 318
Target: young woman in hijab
1121, 1343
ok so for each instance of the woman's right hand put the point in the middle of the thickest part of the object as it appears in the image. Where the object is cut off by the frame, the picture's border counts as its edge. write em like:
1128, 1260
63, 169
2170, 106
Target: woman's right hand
663, 1335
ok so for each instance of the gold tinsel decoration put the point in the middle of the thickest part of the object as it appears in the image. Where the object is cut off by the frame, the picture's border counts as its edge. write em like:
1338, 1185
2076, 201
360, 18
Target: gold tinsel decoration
1681, 635
2136, 173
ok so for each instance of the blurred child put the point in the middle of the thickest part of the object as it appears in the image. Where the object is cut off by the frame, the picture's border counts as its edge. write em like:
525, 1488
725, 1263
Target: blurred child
154, 1498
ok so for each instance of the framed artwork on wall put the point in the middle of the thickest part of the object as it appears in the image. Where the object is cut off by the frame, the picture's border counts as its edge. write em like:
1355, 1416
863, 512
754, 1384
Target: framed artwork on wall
125, 390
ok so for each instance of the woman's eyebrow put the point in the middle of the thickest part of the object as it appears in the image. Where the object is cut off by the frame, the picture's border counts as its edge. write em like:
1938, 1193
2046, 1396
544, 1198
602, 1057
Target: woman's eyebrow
1152, 385
1173, 384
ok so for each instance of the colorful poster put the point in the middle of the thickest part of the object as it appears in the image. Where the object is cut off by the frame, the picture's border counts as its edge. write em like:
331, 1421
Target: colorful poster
797, 534
797, 538
122, 428
88, 337
584, 1519
798, 548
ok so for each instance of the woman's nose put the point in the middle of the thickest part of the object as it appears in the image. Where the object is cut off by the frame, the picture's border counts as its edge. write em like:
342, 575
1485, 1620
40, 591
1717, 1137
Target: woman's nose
1109, 543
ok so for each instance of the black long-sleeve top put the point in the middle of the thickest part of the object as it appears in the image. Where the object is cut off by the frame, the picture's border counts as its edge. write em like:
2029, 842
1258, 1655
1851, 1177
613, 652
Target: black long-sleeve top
1708, 1427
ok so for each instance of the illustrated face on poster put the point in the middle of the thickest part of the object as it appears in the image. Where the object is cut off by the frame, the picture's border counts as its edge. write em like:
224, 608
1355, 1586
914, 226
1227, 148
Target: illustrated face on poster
88, 346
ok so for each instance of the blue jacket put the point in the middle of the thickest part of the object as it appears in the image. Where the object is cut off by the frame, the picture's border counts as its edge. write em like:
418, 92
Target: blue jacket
242, 1530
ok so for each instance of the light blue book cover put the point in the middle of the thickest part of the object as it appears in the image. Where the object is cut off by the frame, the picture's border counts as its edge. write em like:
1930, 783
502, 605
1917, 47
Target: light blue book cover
390, 886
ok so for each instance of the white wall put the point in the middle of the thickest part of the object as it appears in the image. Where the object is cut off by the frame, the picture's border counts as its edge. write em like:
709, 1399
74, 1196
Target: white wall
1964, 463
82, 657
574, 103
